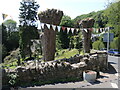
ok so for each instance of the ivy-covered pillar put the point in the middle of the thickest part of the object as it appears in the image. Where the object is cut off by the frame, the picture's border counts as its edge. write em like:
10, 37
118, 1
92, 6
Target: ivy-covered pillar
87, 23
50, 16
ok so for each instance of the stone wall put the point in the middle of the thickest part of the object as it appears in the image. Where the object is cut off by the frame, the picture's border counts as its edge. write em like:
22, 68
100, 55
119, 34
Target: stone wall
62, 69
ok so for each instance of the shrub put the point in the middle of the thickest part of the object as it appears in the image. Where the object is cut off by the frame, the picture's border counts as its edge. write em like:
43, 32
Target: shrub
115, 43
98, 45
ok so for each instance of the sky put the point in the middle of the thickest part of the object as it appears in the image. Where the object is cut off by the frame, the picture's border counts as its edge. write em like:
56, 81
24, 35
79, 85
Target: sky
71, 8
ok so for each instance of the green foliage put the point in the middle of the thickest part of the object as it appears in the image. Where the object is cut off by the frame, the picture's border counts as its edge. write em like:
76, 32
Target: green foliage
13, 79
4, 52
100, 19
28, 13
67, 53
63, 38
113, 13
13, 40
10, 25
27, 33
97, 45
83, 16
115, 43
28, 29
10, 37
66, 21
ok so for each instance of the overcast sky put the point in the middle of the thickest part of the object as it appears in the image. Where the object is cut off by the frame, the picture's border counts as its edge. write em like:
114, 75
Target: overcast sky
71, 8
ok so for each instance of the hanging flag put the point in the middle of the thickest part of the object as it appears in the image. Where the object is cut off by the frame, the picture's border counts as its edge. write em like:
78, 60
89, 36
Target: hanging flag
100, 29
4, 16
63, 28
77, 29
103, 29
38, 24
58, 27
48, 26
90, 29
72, 29
54, 27
42, 25
85, 29
106, 29
68, 29
97, 30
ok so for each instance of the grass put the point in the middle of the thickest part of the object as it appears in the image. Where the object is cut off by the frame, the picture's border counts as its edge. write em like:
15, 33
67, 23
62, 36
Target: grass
64, 53
67, 53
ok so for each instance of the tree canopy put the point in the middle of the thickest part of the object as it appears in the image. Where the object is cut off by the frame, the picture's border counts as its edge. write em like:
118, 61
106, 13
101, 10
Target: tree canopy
28, 29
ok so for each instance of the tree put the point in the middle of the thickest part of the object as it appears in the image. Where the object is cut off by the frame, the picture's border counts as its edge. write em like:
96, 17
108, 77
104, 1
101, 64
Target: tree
28, 29
113, 13
100, 19
3, 45
10, 34
10, 25
63, 36
97, 45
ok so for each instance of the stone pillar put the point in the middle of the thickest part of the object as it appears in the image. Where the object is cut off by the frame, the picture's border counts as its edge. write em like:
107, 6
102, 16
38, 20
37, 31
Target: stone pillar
50, 16
87, 23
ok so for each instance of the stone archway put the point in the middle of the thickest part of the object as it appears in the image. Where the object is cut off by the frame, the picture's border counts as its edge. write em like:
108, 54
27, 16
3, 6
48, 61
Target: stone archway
50, 16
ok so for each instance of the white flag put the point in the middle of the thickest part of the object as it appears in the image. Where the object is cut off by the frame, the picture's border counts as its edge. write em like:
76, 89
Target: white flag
58, 27
68, 29
54, 27
85, 29
38, 25
72, 29
106, 29
42, 25
97, 30
100, 29
77, 29
48, 26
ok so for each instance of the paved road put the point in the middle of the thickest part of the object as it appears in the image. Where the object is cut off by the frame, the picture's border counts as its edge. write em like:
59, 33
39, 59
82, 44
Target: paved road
109, 79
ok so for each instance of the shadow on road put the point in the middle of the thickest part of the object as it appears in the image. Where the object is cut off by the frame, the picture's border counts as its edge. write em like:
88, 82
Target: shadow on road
96, 82
111, 69
112, 63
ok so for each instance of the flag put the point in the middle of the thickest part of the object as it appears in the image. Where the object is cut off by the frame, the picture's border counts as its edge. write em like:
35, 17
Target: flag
38, 25
63, 28
48, 26
42, 25
101, 30
58, 27
85, 29
77, 30
68, 29
54, 27
90, 29
4, 16
72, 29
